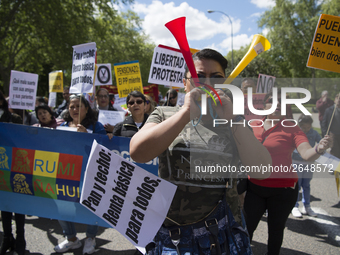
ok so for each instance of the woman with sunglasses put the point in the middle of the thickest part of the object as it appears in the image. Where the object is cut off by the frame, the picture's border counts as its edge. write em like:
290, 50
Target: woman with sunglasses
135, 102
186, 143
80, 116
278, 193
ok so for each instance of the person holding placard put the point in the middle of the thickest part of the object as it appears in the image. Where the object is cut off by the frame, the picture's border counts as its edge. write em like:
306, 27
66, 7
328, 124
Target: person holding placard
186, 142
80, 116
103, 103
278, 193
331, 123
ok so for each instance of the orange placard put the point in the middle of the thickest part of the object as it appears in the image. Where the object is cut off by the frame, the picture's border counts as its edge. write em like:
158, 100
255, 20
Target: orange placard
325, 50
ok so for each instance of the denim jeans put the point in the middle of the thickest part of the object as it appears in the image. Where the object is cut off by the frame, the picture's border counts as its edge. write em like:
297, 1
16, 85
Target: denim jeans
304, 182
69, 229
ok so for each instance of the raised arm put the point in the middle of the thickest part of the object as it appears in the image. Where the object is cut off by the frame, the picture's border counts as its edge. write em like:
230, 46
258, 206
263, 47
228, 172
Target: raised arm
310, 153
155, 138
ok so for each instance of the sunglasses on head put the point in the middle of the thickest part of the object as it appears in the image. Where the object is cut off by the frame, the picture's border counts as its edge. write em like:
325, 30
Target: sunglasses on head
138, 101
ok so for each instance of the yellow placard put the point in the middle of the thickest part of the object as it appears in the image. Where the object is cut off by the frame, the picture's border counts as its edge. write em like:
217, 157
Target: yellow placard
325, 50
128, 77
55, 81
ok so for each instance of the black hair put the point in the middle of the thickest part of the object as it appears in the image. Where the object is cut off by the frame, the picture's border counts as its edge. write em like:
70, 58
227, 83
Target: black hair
305, 119
44, 107
4, 102
209, 54
90, 117
101, 90
171, 92
135, 93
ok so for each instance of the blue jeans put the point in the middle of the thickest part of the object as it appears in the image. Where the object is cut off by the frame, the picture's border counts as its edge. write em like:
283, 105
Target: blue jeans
304, 182
69, 229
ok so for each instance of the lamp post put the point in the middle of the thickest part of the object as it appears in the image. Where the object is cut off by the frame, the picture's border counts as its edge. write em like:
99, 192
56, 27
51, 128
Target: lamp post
231, 23
313, 70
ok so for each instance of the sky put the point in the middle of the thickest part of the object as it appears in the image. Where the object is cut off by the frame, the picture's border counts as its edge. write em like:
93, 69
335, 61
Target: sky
203, 29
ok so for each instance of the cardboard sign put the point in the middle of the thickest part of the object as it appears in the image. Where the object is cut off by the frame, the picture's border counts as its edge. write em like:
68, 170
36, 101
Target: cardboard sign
265, 83
83, 67
110, 117
257, 103
52, 99
22, 90
167, 67
325, 51
55, 81
126, 196
103, 75
128, 77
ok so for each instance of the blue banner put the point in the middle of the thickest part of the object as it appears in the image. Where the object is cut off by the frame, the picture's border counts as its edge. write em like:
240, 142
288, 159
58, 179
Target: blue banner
42, 170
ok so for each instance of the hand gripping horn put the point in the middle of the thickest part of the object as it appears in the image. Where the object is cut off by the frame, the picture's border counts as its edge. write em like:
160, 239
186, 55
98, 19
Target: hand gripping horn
258, 45
177, 28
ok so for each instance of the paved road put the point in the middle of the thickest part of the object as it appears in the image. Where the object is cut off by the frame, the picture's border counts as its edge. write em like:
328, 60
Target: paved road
308, 235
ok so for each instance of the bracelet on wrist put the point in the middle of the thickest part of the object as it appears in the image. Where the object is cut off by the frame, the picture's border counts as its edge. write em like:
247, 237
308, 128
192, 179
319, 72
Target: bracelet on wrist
316, 150
238, 118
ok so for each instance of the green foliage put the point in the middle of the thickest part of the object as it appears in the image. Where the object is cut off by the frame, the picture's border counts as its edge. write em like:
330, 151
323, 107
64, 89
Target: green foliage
37, 36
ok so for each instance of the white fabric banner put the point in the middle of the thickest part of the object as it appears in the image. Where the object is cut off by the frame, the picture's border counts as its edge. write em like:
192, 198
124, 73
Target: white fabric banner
83, 66
130, 199
22, 90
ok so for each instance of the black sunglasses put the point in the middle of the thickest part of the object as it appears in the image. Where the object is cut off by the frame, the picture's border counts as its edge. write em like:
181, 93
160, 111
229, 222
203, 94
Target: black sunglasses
202, 78
138, 101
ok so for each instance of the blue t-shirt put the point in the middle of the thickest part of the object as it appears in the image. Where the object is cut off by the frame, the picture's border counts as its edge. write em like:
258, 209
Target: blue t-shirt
313, 137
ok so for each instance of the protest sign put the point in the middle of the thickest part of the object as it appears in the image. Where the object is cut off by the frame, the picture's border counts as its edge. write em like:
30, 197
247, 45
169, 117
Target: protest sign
83, 67
167, 67
42, 170
325, 51
128, 77
127, 197
55, 81
52, 99
22, 90
103, 76
111, 117
264, 83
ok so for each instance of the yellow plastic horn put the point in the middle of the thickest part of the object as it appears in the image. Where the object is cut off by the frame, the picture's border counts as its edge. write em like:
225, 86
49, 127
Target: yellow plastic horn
258, 45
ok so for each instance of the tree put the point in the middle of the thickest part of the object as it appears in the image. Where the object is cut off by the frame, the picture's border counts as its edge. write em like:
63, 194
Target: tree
120, 39
36, 36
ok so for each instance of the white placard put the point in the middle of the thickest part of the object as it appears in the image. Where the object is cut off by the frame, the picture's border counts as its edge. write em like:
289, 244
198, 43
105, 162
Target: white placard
328, 160
167, 67
130, 199
110, 117
22, 90
83, 67
265, 83
52, 99
104, 75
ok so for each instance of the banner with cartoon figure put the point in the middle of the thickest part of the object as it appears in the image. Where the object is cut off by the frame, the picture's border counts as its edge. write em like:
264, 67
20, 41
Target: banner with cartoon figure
42, 170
